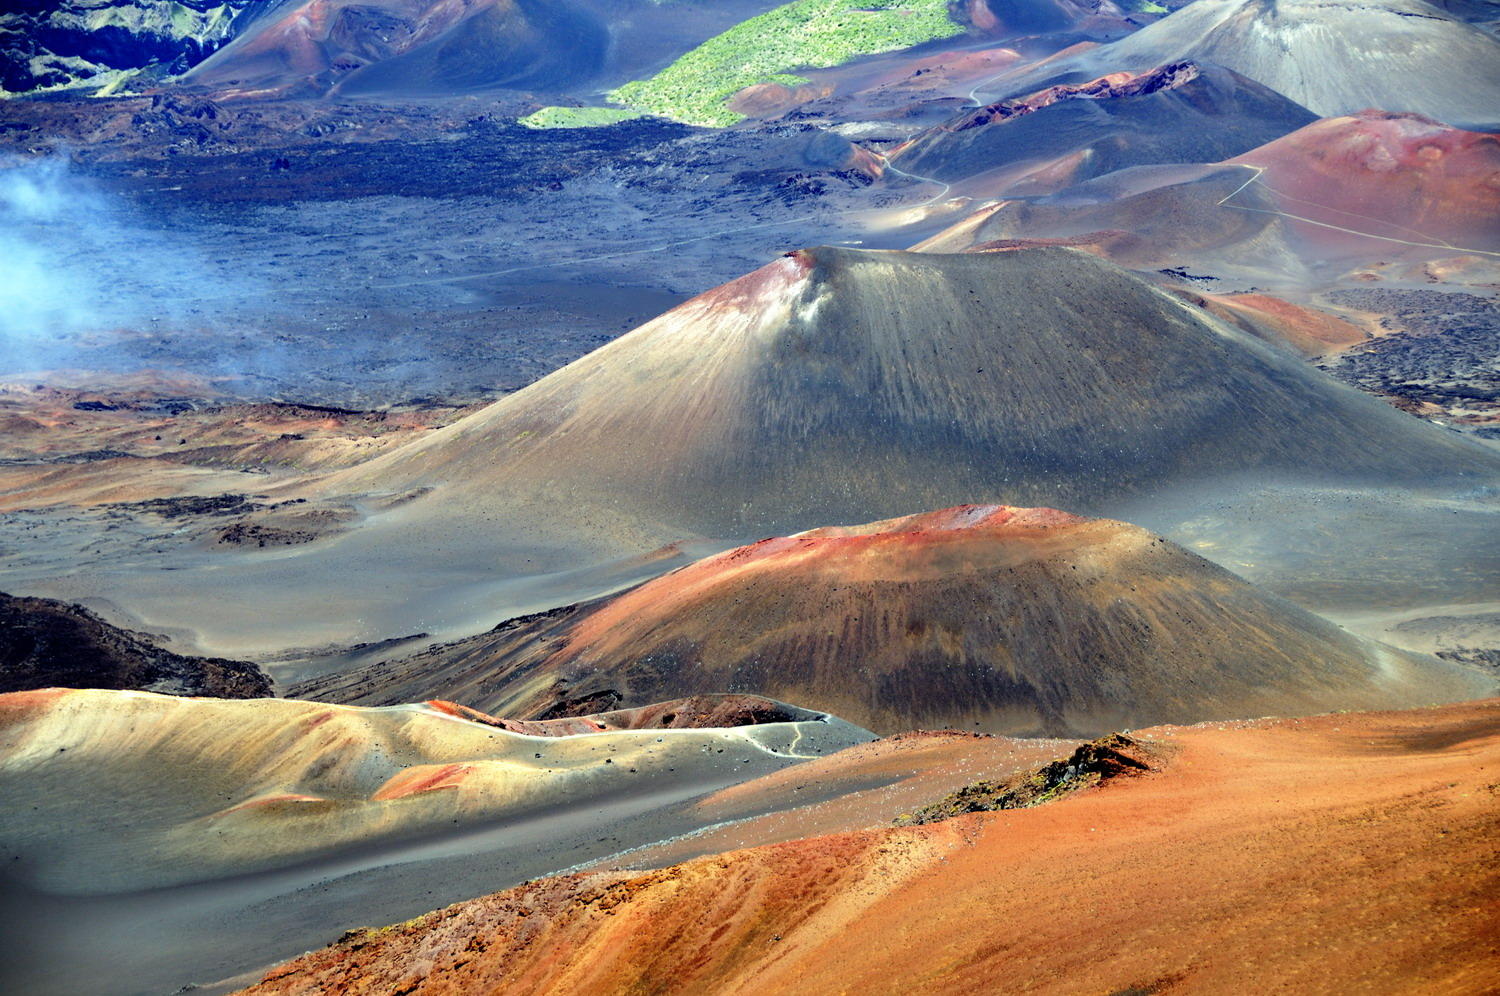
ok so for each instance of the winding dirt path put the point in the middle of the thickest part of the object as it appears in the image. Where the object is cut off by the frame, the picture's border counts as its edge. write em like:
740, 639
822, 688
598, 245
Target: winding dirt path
1341, 853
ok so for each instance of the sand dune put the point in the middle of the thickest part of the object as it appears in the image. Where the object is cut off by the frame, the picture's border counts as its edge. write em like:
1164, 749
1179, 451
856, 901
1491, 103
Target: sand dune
1341, 853
155, 790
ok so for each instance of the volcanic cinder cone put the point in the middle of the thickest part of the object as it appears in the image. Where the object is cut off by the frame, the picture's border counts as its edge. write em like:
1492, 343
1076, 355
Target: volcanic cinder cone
839, 385
842, 386
1017, 621
1176, 113
1398, 177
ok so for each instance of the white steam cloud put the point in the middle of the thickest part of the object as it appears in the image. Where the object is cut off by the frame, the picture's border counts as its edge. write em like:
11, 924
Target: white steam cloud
82, 272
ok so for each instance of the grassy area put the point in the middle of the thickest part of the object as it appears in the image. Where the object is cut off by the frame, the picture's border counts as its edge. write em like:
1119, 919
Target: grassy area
814, 33
578, 117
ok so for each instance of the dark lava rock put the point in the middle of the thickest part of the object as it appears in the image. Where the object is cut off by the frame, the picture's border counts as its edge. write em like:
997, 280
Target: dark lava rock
50, 644
1486, 659
191, 505
1093, 762
1440, 350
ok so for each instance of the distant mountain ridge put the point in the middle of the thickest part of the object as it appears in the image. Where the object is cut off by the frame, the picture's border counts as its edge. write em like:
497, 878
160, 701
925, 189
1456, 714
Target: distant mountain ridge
102, 46
1331, 56
1179, 112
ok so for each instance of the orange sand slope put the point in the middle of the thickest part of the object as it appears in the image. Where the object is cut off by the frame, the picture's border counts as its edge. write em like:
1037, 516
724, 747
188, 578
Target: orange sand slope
1394, 176
1341, 853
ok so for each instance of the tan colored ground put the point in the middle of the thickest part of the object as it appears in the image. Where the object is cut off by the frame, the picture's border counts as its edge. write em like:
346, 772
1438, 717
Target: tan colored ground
118, 791
1342, 853
1308, 330
125, 445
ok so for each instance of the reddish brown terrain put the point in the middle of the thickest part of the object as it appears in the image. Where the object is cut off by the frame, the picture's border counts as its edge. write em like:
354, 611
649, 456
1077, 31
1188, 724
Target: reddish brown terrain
1340, 853
1020, 621
1398, 176
159, 438
459, 549
1310, 331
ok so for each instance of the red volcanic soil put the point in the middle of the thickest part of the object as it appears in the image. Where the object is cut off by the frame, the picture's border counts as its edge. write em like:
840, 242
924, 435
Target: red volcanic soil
1021, 621
1401, 176
318, 37
1307, 330
1014, 620
858, 787
1343, 853
408, 47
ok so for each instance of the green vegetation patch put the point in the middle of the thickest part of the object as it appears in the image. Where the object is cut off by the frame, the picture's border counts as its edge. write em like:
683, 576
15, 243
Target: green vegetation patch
578, 117
813, 33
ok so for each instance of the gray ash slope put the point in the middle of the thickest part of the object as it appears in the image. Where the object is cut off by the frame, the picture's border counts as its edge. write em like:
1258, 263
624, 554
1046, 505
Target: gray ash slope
1149, 218
840, 385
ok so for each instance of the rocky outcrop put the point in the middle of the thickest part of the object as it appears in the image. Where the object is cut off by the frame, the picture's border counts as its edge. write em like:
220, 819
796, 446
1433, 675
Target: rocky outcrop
1093, 762
51, 644
98, 46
